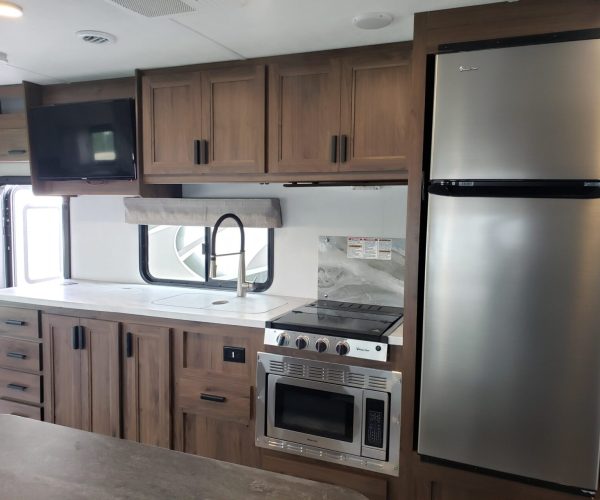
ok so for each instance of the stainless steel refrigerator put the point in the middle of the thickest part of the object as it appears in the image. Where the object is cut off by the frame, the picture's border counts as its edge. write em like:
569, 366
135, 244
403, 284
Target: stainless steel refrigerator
510, 369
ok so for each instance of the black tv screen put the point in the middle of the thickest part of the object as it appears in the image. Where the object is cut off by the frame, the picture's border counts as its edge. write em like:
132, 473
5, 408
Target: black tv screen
88, 140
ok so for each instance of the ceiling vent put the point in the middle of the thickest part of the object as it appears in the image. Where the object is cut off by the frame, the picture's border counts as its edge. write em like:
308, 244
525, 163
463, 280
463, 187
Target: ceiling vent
96, 37
155, 8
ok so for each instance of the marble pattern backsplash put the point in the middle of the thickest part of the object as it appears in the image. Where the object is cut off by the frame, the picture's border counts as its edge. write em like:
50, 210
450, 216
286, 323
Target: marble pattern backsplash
360, 280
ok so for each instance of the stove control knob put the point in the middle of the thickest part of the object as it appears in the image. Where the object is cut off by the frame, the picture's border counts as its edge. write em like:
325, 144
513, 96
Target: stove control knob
302, 343
283, 339
342, 348
322, 345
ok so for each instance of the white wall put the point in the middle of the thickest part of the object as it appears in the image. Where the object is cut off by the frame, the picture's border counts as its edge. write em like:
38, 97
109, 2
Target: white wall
104, 247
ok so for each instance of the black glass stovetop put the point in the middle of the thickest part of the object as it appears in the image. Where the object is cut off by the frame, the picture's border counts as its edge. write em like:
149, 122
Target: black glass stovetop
340, 319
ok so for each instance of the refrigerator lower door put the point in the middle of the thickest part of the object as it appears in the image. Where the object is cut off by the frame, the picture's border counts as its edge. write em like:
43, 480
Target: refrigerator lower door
511, 337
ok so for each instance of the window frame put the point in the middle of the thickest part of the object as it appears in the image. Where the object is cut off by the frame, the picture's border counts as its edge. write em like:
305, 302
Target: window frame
7, 225
209, 283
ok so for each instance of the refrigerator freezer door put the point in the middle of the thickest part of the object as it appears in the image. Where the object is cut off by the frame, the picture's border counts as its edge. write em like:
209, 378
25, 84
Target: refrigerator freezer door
511, 337
518, 113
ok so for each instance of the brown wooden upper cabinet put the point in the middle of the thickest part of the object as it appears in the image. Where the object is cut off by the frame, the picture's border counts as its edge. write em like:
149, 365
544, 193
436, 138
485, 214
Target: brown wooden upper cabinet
81, 368
204, 122
339, 113
374, 96
304, 115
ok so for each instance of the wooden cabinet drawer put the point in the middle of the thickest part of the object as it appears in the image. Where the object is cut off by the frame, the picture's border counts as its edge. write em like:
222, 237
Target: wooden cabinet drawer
18, 385
215, 396
13, 145
20, 410
20, 354
17, 322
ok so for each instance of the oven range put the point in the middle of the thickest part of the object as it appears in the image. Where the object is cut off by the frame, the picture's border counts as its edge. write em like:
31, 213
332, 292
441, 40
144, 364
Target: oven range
332, 327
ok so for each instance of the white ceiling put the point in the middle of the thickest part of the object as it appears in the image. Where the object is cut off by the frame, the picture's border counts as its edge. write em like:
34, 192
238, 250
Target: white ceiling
42, 46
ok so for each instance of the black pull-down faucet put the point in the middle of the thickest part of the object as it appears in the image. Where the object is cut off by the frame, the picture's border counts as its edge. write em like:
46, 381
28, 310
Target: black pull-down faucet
242, 285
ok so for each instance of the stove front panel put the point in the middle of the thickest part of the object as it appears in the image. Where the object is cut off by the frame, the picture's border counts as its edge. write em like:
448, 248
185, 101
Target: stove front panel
327, 344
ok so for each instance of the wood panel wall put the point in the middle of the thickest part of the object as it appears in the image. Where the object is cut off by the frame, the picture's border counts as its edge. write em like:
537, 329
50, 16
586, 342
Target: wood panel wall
499, 20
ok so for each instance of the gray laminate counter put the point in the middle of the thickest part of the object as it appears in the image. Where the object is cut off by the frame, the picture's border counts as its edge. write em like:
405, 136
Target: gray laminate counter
41, 460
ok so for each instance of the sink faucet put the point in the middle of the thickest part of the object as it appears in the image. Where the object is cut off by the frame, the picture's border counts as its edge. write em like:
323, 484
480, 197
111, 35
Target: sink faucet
242, 285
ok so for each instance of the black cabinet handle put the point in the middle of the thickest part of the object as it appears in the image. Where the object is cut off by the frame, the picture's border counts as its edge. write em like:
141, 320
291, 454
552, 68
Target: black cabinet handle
15, 152
203, 152
81, 337
129, 345
213, 398
197, 153
75, 337
334, 149
344, 149
17, 387
16, 355
14, 322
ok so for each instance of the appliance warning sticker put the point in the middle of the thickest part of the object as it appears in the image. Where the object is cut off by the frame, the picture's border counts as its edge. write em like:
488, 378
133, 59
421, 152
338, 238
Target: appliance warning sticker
369, 248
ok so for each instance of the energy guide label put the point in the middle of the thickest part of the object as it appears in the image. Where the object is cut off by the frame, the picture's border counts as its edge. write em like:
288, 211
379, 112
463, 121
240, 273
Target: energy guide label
369, 248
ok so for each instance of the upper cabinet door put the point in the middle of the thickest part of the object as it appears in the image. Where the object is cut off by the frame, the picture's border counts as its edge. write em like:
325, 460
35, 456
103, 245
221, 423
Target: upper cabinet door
375, 90
171, 108
304, 116
233, 120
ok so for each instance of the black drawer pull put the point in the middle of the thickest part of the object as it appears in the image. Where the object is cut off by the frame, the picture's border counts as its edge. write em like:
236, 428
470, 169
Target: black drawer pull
75, 337
203, 152
129, 345
15, 322
81, 337
17, 387
197, 160
334, 149
344, 149
213, 398
15, 152
16, 355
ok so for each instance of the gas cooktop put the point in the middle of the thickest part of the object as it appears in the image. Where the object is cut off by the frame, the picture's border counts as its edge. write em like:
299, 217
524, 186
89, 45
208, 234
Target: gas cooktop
328, 317
328, 326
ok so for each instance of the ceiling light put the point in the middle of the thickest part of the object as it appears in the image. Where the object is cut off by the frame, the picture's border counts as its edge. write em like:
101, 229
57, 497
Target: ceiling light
9, 9
372, 20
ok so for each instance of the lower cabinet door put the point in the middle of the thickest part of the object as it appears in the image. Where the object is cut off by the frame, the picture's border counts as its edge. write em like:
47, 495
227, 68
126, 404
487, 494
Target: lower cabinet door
99, 345
146, 361
63, 402
81, 368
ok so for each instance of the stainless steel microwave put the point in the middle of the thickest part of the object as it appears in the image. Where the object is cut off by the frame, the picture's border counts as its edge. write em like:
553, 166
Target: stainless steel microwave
338, 413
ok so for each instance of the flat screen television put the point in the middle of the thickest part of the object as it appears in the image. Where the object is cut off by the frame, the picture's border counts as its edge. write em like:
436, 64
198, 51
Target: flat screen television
87, 140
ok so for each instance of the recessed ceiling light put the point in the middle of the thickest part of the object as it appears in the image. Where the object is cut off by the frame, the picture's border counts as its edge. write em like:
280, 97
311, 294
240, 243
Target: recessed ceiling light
9, 9
373, 20
96, 37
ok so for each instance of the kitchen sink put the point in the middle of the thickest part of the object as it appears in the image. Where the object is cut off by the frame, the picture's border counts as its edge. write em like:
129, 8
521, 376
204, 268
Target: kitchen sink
251, 304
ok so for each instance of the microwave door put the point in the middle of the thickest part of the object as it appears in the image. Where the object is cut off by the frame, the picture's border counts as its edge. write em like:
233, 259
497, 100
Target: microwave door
315, 413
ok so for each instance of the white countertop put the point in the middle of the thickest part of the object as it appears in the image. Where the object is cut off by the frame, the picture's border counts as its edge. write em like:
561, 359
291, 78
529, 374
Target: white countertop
140, 300
157, 301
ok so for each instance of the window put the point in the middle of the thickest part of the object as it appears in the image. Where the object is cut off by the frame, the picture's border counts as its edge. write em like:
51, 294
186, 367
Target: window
36, 236
181, 255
